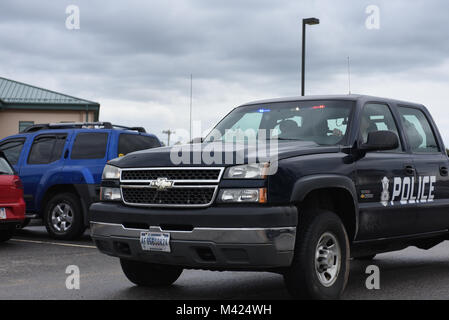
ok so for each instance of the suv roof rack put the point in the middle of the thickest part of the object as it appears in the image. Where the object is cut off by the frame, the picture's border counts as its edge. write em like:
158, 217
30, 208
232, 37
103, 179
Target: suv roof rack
79, 125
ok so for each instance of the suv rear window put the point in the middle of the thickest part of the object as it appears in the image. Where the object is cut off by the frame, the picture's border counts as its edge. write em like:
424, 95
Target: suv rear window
5, 168
90, 145
12, 150
46, 149
128, 143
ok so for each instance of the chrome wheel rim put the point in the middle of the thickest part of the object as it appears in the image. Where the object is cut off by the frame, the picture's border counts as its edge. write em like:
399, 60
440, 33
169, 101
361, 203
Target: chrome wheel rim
327, 259
62, 217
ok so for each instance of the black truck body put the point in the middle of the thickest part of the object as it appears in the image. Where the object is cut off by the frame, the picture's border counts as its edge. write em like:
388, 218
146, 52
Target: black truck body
381, 185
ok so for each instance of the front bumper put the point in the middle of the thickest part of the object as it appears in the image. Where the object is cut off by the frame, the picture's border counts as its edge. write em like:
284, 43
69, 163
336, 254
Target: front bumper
240, 240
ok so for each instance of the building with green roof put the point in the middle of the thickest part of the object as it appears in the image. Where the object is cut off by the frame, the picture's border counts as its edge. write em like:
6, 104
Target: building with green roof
22, 105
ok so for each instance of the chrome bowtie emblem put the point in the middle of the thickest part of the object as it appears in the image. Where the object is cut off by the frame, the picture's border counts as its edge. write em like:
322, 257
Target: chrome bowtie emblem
162, 184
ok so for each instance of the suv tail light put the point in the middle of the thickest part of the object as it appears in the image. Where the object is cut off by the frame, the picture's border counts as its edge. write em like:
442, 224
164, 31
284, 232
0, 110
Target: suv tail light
18, 183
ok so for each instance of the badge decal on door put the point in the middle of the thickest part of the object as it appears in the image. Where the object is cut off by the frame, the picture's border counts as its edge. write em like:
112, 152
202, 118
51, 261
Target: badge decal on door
385, 195
408, 190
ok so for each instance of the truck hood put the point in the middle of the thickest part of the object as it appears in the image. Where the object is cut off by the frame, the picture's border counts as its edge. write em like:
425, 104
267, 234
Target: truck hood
217, 154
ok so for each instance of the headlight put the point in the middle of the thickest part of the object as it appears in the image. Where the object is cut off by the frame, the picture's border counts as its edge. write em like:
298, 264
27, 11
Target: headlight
110, 194
247, 171
243, 195
110, 172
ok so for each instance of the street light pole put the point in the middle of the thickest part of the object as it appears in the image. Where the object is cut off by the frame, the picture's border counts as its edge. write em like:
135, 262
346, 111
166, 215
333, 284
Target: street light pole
309, 21
191, 98
168, 133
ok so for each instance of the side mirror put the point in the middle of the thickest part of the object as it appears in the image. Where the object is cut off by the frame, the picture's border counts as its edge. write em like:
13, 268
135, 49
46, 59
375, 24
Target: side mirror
381, 141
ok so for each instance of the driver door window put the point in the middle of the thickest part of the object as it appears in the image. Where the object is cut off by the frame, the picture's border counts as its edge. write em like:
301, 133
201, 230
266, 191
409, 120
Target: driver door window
377, 117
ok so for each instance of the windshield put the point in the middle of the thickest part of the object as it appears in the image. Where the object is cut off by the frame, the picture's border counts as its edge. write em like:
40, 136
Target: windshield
322, 122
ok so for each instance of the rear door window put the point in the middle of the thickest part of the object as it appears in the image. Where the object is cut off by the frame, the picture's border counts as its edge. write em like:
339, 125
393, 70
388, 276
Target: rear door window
47, 149
133, 142
418, 130
90, 145
12, 150
58, 148
5, 168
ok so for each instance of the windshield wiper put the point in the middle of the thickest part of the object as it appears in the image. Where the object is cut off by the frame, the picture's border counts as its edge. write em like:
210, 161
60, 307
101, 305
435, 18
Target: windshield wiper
287, 139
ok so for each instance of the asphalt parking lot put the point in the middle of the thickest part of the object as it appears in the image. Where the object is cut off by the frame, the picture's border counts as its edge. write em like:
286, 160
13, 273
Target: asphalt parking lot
32, 266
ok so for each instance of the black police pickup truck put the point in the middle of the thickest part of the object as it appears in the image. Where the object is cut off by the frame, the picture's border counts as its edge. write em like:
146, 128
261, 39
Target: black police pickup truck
341, 177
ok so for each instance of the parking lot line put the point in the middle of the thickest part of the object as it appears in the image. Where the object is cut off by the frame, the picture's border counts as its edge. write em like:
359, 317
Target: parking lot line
55, 243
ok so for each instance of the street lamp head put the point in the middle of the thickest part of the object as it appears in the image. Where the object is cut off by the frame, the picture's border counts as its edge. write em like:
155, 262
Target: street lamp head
311, 21
307, 21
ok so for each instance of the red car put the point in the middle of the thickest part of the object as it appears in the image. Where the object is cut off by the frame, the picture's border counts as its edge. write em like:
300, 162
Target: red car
12, 205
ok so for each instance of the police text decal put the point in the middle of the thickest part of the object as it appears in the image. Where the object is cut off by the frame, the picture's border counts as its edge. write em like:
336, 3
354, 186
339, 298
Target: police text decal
408, 190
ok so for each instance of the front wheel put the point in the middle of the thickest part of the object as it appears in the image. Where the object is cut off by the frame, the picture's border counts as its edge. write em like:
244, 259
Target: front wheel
63, 217
150, 274
320, 266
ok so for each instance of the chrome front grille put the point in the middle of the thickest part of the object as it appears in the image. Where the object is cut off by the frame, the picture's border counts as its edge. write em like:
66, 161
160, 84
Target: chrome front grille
170, 187
173, 196
181, 174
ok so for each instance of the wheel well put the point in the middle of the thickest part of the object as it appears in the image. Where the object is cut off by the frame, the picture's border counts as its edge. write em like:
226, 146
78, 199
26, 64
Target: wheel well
337, 200
54, 190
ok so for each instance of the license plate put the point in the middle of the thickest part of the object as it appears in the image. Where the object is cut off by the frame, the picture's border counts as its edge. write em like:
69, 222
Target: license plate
155, 241
2, 213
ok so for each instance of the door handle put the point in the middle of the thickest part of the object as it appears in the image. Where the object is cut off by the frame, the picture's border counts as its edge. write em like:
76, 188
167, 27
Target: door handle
409, 170
444, 171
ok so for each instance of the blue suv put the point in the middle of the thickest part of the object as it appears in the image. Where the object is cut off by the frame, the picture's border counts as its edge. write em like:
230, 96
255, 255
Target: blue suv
61, 166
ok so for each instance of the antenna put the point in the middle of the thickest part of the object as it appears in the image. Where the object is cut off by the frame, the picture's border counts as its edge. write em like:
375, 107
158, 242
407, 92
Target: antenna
349, 75
191, 99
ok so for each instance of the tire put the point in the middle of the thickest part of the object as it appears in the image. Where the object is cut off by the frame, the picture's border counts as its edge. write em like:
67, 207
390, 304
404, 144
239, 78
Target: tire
5, 235
63, 217
319, 278
149, 274
365, 258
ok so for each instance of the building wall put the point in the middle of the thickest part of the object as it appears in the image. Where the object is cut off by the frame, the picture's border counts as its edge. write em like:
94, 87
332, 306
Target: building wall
9, 119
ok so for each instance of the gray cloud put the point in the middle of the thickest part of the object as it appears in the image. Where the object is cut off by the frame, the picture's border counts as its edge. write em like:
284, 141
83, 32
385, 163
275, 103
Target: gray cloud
142, 52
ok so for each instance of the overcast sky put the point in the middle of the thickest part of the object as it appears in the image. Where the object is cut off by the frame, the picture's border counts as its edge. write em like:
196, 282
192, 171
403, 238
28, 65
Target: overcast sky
135, 57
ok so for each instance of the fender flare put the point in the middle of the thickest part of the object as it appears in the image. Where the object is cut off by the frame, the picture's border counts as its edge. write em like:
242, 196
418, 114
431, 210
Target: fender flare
307, 184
